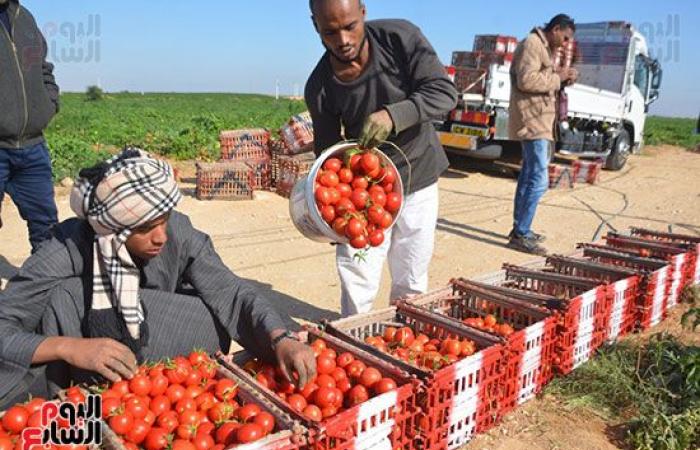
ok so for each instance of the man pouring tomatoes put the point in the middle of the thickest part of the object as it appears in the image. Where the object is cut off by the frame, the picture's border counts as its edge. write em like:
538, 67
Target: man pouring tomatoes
381, 80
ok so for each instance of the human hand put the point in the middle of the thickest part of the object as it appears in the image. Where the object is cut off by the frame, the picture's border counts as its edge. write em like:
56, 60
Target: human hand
297, 358
376, 129
111, 359
572, 75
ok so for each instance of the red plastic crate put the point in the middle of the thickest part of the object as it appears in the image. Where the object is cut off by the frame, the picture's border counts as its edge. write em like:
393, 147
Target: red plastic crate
495, 43
692, 243
458, 400
654, 280
261, 174
617, 316
245, 144
384, 421
587, 171
530, 348
291, 170
298, 134
561, 177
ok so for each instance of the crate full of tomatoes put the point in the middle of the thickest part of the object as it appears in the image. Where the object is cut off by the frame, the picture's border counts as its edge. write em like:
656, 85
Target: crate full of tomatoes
528, 332
189, 403
356, 401
459, 368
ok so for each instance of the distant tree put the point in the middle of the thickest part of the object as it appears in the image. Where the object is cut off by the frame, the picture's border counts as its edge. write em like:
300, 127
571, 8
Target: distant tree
94, 93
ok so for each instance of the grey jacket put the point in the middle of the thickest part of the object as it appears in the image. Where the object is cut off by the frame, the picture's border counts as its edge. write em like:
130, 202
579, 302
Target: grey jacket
28, 90
188, 259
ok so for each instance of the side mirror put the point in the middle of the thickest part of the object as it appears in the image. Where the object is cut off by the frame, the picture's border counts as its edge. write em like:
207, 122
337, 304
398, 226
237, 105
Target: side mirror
657, 75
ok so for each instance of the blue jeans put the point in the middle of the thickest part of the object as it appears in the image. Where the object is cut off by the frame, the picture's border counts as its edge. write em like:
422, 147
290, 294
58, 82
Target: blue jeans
532, 184
25, 174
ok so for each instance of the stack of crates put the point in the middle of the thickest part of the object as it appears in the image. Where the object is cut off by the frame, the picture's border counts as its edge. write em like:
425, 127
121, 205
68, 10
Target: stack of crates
298, 134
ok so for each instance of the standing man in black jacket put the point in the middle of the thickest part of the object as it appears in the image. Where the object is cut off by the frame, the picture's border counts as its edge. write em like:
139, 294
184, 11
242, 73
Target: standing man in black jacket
382, 80
28, 99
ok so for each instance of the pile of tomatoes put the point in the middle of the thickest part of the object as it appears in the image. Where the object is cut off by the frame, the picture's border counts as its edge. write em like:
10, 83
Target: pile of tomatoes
489, 324
356, 197
341, 382
182, 404
421, 350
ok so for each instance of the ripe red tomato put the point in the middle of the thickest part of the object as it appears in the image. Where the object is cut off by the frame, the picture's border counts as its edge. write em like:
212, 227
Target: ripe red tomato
359, 198
378, 198
393, 202
339, 374
344, 385
185, 431
355, 163
388, 188
339, 225
249, 432
190, 417
175, 392
333, 164
344, 359
203, 441
370, 162
325, 380
325, 396
359, 242
313, 413
355, 369
226, 389
354, 228
344, 189
156, 439
220, 412
109, 406
6, 444
358, 394
137, 406
226, 433
376, 238
325, 364
208, 369
297, 402
121, 387
34, 405
138, 431
75, 395
34, 421
384, 385
389, 333
168, 421
185, 404
197, 357
159, 385
328, 213
248, 411
266, 380
388, 175
158, 405
308, 390
404, 336
345, 175
329, 179
323, 196
266, 421
375, 214
386, 220
121, 423
206, 428
360, 183
370, 377
344, 206
178, 370
182, 444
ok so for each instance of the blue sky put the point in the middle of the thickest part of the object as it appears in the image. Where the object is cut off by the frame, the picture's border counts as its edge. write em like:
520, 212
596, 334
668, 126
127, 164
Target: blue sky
247, 46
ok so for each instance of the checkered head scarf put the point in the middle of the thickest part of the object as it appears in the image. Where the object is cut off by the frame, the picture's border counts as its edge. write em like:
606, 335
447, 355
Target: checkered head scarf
115, 197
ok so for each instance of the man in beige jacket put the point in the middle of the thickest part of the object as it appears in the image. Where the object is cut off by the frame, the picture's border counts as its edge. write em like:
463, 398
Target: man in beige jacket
533, 98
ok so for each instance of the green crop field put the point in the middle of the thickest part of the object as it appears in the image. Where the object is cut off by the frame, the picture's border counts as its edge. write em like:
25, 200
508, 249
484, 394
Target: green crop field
179, 126
186, 126
672, 131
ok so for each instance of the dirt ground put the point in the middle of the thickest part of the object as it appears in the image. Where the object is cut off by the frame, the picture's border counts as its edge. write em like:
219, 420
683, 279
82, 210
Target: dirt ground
257, 240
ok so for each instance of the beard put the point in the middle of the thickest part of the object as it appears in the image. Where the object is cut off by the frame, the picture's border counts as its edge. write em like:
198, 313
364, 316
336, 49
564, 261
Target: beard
340, 58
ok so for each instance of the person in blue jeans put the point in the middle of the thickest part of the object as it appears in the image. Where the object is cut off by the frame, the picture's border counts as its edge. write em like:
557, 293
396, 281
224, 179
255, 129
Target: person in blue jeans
533, 99
29, 99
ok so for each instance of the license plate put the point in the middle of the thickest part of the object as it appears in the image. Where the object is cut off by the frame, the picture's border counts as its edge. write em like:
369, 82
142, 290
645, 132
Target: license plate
469, 131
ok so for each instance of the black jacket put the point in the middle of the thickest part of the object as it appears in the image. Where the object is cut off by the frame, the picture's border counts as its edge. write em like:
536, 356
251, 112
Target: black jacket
28, 90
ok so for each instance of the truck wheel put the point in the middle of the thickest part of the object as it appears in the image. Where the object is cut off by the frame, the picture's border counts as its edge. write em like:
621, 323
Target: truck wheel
620, 152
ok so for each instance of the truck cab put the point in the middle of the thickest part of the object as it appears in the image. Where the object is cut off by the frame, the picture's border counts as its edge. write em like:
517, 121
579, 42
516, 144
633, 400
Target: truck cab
607, 107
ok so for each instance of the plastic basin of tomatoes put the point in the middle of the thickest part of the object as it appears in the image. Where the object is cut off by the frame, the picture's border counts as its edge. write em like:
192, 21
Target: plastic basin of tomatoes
358, 195
185, 403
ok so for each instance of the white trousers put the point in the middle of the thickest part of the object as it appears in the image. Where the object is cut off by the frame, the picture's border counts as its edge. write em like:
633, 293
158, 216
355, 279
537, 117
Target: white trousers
409, 245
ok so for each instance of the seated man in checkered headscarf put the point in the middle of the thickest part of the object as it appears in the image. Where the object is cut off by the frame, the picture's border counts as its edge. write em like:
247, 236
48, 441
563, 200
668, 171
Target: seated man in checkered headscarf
106, 292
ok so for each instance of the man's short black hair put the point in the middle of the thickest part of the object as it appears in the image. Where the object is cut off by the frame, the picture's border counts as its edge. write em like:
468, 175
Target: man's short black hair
563, 21
312, 3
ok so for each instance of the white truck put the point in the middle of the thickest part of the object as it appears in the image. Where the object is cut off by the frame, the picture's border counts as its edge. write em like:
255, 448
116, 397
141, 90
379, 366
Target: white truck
607, 107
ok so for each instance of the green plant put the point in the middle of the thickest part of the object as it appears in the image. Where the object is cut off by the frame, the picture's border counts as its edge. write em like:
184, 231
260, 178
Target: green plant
94, 93
691, 318
672, 131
